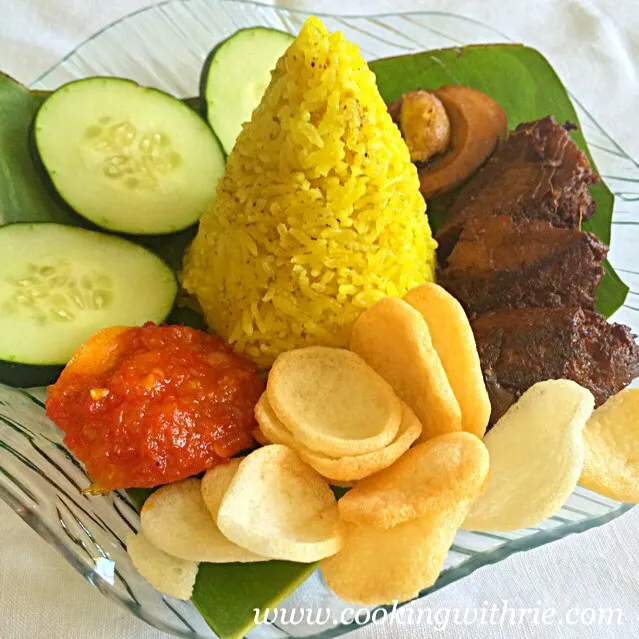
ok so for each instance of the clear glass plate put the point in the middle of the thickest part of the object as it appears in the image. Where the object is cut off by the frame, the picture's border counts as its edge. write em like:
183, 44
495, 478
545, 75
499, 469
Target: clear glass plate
164, 46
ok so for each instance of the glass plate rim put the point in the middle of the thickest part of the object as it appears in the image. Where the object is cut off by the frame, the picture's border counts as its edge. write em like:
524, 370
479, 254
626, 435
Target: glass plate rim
257, 3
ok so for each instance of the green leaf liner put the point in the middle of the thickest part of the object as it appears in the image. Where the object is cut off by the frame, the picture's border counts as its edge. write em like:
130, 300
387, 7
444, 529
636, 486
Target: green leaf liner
518, 77
611, 292
227, 594
25, 195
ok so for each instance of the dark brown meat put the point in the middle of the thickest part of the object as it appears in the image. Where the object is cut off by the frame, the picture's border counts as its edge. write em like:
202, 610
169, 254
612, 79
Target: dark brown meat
500, 263
520, 347
538, 173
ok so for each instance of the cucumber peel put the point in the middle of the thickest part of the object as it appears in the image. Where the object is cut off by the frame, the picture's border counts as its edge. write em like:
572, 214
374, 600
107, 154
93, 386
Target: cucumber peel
234, 77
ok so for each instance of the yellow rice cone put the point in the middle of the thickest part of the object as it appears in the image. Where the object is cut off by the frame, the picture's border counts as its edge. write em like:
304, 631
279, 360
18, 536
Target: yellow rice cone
318, 214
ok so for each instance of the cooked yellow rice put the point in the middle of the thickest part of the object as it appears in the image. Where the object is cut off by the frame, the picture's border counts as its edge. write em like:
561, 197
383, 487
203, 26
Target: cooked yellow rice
318, 214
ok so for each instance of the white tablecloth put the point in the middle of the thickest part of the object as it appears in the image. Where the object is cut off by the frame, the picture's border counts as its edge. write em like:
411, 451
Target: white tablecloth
594, 46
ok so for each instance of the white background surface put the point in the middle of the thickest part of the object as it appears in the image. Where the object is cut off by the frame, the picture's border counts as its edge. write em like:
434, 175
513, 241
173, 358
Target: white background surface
594, 45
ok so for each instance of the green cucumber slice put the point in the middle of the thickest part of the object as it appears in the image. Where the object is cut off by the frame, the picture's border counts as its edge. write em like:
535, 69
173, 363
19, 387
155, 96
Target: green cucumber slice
235, 76
60, 284
127, 158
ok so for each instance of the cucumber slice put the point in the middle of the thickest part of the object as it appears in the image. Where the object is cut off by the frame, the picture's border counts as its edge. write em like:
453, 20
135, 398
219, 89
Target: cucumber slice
235, 76
60, 284
128, 158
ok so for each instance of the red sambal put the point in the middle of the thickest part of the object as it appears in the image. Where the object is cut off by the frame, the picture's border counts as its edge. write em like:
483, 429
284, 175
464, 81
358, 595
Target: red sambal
151, 405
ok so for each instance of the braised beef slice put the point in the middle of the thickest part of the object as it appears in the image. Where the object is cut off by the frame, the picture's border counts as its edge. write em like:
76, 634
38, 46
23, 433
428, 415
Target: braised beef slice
501, 263
519, 347
538, 173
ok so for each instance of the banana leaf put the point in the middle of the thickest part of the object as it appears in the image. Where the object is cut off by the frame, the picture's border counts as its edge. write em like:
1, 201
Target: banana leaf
518, 77
24, 193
